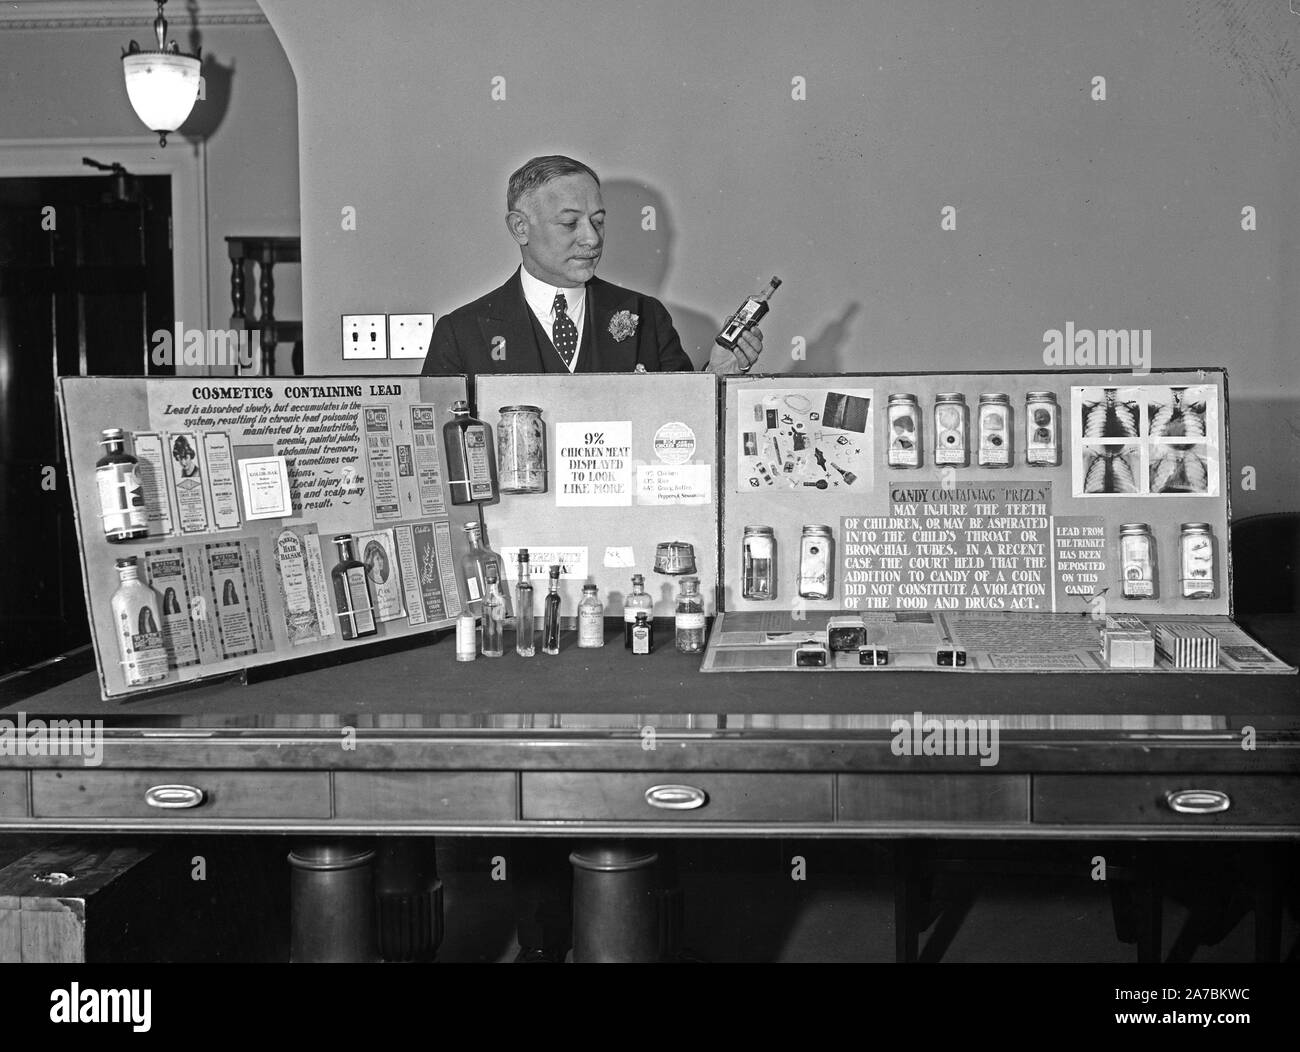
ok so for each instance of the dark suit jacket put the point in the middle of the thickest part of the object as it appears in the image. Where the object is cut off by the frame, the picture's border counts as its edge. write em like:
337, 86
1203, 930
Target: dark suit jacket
463, 340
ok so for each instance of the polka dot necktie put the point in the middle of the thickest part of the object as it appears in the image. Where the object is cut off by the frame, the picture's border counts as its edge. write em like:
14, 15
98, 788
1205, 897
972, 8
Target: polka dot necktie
565, 335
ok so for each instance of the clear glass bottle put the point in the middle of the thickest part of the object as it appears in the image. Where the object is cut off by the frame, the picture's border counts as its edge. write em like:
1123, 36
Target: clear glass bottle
1042, 429
1137, 561
471, 464
551, 617
591, 619
475, 564
122, 511
994, 431
494, 617
525, 626
951, 428
758, 569
1196, 559
356, 608
816, 550
643, 634
639, 600
137, 616
690, 617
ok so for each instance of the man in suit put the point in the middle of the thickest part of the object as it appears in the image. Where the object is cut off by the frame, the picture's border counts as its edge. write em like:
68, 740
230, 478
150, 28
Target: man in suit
554, 315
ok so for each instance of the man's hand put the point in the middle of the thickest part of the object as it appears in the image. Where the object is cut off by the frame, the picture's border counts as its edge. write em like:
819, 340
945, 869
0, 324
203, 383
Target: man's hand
725, 362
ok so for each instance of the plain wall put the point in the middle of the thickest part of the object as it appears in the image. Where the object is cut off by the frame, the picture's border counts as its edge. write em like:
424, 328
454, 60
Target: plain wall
67, 84
1117, 213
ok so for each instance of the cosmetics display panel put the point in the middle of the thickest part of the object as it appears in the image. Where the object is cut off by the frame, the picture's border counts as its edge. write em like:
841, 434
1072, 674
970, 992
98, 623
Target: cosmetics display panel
274, 518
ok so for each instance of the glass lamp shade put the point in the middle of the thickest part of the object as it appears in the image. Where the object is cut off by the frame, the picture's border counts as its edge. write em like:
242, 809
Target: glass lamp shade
162, 87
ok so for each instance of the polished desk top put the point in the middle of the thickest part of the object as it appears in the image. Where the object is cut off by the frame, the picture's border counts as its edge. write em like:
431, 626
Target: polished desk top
560, 710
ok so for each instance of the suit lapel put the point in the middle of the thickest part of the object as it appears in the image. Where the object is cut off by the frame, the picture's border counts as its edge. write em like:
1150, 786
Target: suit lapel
611, 356
508, 317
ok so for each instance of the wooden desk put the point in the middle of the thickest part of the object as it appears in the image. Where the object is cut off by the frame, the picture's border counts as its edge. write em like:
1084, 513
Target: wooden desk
412, 742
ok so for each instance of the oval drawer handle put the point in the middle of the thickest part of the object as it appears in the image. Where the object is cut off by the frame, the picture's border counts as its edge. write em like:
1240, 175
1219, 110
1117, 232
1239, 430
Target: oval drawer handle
173, 796
676, 797
1197, 801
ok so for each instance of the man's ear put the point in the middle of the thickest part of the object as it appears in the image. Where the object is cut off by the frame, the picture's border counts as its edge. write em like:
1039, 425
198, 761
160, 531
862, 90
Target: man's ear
517, 224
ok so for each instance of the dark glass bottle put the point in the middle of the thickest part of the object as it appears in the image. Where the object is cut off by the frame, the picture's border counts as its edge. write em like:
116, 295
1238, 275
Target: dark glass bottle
471, 462
551, 617
643, 635
637, 601
121, 495
749, 314
352, 592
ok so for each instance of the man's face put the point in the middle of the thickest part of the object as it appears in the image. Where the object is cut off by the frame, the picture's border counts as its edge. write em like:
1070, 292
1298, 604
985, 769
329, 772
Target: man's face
560, 229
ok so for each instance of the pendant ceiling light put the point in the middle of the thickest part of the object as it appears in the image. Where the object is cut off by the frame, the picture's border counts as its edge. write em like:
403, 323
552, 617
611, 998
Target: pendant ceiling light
163, 84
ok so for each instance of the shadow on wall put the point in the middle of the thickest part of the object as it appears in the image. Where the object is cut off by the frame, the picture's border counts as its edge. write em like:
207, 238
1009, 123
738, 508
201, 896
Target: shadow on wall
639, 254
211, 108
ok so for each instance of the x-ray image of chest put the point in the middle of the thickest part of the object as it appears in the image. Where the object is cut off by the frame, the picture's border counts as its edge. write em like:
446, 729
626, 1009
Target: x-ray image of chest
807, 440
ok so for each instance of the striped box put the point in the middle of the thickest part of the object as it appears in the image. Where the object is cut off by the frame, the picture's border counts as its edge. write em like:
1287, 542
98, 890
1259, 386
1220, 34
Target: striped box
1187, 646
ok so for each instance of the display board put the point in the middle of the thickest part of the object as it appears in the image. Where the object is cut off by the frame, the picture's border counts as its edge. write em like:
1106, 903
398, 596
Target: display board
1002, 514
630, 464
245, 484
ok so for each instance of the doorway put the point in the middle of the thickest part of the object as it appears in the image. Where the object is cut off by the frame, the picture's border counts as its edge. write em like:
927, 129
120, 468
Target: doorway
85, 278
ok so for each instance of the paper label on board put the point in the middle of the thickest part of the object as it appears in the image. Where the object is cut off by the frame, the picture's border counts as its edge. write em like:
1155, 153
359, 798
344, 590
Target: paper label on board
674, 483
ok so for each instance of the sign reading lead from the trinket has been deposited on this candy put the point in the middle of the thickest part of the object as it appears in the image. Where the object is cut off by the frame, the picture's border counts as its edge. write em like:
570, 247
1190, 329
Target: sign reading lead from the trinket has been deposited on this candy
593, 463
981, 546
1080, 559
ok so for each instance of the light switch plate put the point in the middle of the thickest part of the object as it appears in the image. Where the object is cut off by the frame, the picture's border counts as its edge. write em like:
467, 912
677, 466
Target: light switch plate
365, 336
409, 335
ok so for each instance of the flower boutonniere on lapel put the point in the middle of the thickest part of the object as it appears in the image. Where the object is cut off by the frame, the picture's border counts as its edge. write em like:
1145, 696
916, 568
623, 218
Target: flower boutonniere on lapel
623, 325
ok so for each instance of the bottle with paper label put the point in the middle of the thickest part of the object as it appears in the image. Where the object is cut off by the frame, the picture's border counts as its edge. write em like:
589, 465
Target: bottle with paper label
690, 617
137, 618
476, 563
749, 314
121, 494
591, 618
471, 463
638, 601
352, 595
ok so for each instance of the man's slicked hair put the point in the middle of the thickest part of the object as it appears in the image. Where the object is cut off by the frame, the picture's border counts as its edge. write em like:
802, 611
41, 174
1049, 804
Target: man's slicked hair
539, 171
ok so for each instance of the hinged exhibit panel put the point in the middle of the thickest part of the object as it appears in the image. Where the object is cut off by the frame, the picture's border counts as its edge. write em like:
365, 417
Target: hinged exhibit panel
630, 463
229, 494
1045, 521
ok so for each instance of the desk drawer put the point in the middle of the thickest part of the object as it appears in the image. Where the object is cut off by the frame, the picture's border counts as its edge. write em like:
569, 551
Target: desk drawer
598, 795
13, 794
934, 798
412, 796
225, 794
1262, 800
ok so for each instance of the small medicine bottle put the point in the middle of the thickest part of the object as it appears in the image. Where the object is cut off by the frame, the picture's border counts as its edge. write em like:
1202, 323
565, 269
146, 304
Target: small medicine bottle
643, 635
591, 619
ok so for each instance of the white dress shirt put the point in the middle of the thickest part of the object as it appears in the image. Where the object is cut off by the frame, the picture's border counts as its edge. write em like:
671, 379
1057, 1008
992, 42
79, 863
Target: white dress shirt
541, 301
